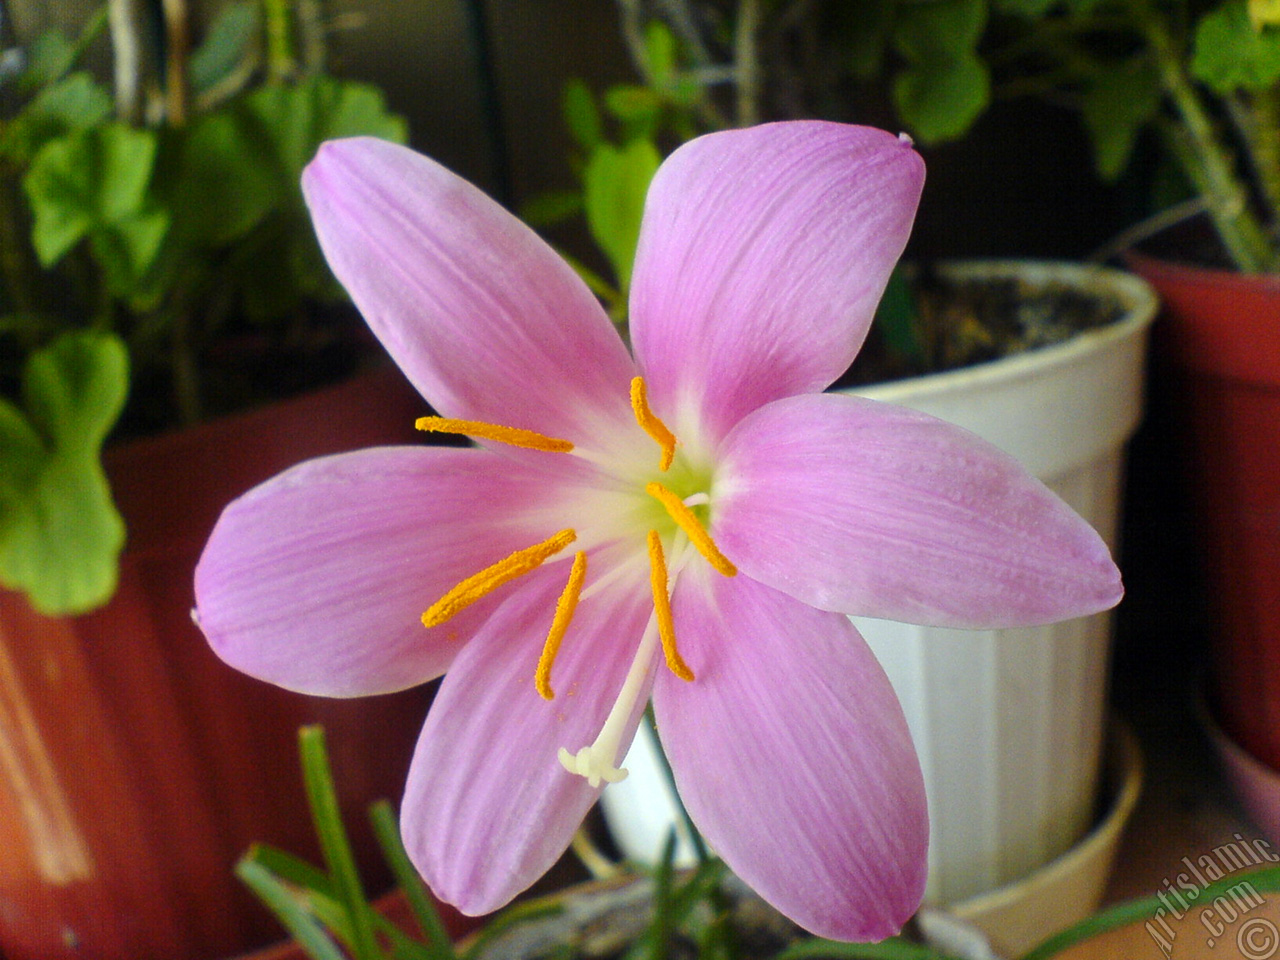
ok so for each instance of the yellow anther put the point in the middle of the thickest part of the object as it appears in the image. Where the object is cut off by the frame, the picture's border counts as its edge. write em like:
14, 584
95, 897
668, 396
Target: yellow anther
662, 607
490, 578
513, 436
567, 603
651, 424
690, 524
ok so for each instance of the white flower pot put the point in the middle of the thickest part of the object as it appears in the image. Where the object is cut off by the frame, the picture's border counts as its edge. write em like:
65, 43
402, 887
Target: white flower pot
1008, 723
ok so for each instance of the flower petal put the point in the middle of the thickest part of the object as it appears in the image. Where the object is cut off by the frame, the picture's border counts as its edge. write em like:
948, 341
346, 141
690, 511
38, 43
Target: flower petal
762, 256
793, 757
481, 315
317, 579
879, 511
488, 807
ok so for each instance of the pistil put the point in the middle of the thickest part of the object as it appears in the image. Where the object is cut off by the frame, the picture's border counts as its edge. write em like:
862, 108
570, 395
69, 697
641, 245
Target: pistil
598, 762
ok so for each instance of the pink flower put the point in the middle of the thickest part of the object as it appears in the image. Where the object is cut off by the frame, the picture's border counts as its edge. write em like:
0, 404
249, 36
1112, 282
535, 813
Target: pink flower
690, 524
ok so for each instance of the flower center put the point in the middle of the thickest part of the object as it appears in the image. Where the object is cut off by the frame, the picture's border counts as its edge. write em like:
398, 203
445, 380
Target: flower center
678, 507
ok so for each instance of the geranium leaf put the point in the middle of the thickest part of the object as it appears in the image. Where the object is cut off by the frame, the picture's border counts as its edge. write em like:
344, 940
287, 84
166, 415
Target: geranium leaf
1230, 54
60, 533
74, 391
581, 115
225, 45
944, 86
616, 182
940, 98
88, 180
1118, 104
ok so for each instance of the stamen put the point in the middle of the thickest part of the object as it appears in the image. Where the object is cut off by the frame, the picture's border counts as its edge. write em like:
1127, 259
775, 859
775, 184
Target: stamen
567, 603
490, 578
597, 762
654, 427
513, 436
690, 524
662, 607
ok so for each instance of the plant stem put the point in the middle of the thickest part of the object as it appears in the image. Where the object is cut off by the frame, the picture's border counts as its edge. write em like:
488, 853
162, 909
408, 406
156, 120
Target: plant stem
746, 62
280, 57
15, 264
1266, 152
186, 378
1205, 158
177, 41
126, 53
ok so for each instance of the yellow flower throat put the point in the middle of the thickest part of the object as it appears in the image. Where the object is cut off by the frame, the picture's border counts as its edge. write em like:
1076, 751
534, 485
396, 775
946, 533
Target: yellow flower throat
597, 761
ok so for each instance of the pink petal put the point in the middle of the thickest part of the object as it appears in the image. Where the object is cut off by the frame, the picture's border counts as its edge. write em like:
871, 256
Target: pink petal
793, 757
878, 511
762, 256
317, 579
488, 808
481, 315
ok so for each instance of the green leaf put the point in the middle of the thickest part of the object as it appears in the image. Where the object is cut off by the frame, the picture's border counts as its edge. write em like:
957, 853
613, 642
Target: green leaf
1230, 54
897, 318
126, 249
933, 29
578, 106
1265, 879
91, 180
940, 98
59, 543
1030, 9
49, 57
74, 391
616, 181
551, 207
22, 454
226, 43
944, 86
632, 102
326, 815
891, 949
76, 102
295, 119
288, 907
223, 185
863, 30
60, 534
1120, 101
660, 52
387, 831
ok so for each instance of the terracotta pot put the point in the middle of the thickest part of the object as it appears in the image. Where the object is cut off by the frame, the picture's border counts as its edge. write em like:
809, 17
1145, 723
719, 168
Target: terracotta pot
1222, 334
135, 767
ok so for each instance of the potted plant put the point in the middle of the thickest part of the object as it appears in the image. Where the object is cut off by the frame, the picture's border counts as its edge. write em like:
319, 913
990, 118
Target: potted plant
1205, 80
159, 272
662, 911
1006, 720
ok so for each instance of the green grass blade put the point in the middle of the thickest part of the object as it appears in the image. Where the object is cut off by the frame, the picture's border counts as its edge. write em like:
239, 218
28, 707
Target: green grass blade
286, 905
323, 798
424, 911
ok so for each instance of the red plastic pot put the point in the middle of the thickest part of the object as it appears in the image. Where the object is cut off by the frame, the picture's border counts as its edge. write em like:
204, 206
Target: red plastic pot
135, 767
1222, 332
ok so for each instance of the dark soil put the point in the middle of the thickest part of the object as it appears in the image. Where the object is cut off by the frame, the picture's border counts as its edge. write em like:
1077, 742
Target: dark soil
959, 323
